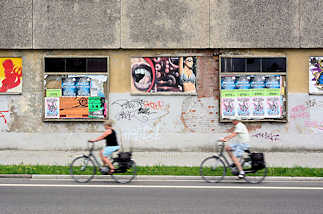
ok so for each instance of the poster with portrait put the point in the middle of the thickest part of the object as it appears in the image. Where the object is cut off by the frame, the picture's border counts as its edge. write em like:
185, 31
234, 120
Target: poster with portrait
11, 75
163, 75
316, 75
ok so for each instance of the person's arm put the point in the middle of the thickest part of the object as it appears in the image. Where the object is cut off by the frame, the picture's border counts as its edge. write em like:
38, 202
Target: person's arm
230, 136
106, 133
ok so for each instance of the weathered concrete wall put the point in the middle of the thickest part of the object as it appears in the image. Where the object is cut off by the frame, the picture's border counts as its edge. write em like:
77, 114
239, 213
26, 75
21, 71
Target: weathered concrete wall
160, 24
16, 24
62, 24
174, 123
165, 24
254, 23
311, 23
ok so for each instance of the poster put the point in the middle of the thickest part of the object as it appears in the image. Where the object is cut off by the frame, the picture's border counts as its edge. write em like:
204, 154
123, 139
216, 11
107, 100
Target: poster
316, 75
11, 75
164, 75
251, 96
73, 107
53, 92
97, 107
51, 107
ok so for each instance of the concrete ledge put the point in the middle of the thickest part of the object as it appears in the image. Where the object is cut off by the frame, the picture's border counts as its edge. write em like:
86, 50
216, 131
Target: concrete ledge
15, 176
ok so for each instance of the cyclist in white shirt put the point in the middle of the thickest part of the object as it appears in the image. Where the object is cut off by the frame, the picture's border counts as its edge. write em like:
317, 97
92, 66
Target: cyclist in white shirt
236, 150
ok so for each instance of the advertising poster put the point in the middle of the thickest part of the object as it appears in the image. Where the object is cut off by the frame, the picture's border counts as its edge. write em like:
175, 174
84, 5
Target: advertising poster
53, 92
251, 96
11, 75
51, 107
316, 75
163, 74
273, 107
73, 107
96, 107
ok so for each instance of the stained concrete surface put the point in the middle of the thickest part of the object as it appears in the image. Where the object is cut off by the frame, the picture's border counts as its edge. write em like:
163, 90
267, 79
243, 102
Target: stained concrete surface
273, 159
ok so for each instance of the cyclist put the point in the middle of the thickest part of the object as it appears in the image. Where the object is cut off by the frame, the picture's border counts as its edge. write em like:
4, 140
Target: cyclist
111, 146
236, 150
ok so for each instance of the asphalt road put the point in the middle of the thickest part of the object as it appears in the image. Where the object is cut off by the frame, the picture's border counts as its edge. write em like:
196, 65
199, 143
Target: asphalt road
33, 196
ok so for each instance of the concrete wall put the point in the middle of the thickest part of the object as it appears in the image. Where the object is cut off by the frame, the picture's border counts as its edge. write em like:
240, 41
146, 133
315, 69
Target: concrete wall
160, 24
175, 123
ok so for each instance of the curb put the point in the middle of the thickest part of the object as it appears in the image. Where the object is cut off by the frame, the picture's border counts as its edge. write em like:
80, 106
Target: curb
15, 176
157, 177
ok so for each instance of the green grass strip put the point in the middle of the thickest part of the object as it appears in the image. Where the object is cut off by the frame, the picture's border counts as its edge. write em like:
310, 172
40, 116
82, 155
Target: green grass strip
156, 170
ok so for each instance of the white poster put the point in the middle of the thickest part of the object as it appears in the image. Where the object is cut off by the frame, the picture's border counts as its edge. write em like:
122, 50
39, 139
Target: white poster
51, 107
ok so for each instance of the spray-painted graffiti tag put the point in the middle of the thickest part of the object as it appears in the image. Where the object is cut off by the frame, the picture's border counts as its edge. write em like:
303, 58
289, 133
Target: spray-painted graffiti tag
273, 137
3, 116
139, 109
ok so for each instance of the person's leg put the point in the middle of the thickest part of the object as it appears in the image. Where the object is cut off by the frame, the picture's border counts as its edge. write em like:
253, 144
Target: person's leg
233, 158
106, 161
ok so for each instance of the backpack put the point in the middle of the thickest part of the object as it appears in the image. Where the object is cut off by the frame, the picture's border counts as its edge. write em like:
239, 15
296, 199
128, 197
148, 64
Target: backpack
257, 161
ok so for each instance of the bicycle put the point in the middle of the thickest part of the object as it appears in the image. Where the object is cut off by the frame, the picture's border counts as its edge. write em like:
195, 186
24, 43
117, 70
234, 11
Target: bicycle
214, 168
84, 168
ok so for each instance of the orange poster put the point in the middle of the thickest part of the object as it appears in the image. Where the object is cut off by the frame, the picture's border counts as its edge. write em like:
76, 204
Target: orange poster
11, 75
73, 107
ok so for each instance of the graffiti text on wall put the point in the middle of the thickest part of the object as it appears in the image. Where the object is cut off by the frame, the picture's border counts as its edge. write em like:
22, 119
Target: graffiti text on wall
140, 109
270, 136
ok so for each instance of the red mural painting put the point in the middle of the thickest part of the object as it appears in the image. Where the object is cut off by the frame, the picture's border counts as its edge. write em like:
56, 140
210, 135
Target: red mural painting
12, 76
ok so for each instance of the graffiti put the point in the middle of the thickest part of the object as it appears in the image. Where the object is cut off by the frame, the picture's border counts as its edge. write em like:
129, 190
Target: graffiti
163, 74
138, 109
273, 137
314, 124
299, 111
3, 116
10, 74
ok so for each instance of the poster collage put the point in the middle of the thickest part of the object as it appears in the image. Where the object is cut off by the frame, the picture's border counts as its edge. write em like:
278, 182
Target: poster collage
75, 96
251, 96
164, 75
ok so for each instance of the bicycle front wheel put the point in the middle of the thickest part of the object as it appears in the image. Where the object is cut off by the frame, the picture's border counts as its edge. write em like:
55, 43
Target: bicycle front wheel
212, 169
253, 176
82, 169
124, 172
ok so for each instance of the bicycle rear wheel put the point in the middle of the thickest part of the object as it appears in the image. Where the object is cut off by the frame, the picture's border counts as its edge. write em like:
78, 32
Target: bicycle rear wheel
82, 169
253, 176
212, 169
124, 174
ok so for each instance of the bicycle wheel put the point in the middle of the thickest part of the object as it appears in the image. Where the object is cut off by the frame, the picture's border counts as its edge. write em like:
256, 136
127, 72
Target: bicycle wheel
124, 174
212, 169
82, 169
253, 176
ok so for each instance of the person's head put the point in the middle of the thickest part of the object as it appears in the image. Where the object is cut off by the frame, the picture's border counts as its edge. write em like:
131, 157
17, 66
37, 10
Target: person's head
108, 124
189, 62
236, 120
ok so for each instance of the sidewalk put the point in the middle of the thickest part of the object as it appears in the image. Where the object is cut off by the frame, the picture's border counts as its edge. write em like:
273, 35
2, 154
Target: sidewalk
273, 159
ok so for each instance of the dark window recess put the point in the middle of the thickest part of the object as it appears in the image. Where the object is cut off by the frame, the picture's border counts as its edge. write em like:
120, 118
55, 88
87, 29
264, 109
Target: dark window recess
76, 65
253, 64
226, 64
97, 65
238, 65
55, 65
273, 64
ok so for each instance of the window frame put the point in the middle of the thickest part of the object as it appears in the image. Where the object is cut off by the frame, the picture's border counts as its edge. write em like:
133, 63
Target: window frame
284, 76
106, 87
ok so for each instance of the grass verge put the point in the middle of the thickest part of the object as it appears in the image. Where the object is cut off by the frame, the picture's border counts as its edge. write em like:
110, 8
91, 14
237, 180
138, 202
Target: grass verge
156, 170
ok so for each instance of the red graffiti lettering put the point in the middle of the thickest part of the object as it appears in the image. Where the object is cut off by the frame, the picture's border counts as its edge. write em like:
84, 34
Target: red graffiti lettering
12, 75
3, 116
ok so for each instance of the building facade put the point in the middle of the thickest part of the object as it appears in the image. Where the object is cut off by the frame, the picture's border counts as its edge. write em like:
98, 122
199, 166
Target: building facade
160, 115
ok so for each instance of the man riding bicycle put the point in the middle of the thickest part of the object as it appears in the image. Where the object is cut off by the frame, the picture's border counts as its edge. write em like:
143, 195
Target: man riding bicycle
236, 150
